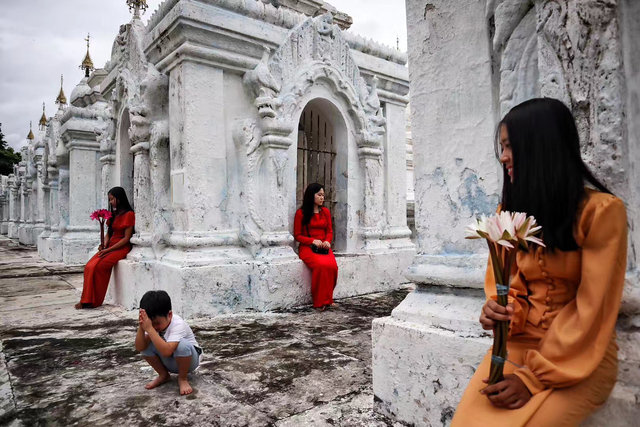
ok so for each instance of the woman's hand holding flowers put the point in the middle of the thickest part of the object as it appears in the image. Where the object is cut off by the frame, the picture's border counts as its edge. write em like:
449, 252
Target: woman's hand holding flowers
510, 393
493, 312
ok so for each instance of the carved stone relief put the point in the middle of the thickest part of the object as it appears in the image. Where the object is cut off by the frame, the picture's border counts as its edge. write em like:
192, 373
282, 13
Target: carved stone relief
572, 53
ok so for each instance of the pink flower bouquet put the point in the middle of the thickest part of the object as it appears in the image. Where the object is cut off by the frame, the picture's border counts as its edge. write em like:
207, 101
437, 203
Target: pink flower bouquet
504, 233
101, 215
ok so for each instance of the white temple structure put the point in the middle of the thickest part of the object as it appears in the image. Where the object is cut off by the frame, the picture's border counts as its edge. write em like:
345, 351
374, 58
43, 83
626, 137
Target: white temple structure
469, 63
214, 117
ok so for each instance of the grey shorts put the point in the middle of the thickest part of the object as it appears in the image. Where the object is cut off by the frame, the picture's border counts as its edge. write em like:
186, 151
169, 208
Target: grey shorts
184, 349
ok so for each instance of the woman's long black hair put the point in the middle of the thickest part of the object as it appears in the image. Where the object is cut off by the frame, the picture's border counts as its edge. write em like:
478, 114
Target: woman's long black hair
548, 171
122, 206
308, 201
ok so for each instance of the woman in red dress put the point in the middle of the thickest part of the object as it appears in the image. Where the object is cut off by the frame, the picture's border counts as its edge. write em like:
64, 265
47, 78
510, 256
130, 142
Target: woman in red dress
312, 228
97, 272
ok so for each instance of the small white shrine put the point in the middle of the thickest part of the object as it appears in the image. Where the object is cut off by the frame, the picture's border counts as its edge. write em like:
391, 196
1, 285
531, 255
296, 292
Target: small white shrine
214, 117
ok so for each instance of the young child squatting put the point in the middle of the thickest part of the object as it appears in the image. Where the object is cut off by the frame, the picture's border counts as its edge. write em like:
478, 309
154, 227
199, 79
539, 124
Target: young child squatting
166, 341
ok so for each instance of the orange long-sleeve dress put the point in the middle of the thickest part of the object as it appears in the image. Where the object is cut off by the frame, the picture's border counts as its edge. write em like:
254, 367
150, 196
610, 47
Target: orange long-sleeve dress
562, 333
324, 269
97, 272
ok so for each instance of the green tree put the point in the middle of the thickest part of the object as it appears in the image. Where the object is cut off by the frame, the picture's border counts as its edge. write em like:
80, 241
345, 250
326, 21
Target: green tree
8, 157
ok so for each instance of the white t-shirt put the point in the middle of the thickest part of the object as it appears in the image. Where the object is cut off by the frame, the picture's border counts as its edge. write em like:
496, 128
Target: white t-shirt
177, 330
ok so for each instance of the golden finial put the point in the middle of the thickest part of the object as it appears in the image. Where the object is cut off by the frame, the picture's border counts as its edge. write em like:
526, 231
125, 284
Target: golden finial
87, 63
30, 136
61, 99
136, 6
43, 119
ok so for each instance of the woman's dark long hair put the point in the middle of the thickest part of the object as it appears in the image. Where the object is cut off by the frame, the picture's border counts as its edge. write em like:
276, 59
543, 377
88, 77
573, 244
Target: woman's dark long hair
308, 201
122, 206
548, 171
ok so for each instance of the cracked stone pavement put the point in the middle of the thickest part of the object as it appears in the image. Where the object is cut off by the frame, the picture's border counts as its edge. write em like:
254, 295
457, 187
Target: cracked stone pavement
60, 366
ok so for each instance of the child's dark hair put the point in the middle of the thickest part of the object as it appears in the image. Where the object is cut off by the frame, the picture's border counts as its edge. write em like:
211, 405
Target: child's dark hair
156, 303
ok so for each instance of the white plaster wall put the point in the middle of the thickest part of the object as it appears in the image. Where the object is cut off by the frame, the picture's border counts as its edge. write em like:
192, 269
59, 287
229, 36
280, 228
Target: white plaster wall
452, 122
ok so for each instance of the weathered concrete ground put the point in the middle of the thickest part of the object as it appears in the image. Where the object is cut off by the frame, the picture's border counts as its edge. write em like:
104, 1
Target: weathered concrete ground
59, 366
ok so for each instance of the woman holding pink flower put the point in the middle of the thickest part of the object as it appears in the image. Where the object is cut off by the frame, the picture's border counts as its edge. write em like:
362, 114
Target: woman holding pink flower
120, 228
563, 299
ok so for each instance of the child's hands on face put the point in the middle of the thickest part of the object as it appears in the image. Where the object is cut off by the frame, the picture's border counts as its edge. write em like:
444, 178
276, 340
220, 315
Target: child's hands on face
144, 321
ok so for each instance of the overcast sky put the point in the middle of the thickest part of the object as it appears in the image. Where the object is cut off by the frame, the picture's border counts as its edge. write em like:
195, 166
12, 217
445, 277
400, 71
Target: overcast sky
41, 39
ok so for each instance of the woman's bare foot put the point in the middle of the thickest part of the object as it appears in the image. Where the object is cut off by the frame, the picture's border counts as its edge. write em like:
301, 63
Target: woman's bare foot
78, 306
161, 379
185, 387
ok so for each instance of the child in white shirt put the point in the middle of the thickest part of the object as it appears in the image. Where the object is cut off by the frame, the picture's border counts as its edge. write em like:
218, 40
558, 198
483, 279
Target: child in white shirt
166, 341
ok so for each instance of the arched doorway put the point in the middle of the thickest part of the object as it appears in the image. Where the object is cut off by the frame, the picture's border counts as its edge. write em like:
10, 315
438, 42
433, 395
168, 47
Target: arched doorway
124, 158
321, 158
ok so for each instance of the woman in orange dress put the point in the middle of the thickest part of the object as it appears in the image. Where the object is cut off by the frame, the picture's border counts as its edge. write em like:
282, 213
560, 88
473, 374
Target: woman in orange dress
564, 298
97, 272
312, 228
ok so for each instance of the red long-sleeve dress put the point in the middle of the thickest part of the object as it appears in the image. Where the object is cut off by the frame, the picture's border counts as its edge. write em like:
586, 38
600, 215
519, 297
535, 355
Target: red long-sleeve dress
324, 270
97, 272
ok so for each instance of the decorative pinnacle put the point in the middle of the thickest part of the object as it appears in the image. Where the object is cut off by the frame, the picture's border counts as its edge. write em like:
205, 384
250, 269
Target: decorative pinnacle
136, 6
87, 63
61, 99
30, 136
43, 119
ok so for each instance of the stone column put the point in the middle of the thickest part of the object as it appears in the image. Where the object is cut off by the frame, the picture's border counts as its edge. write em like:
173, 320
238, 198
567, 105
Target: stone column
276, 238
40, 213
53, 208
142, 193
370, 157
24, 228
13, 206
63, 199
198, 164
427, 350
107, 171
395, 164
6, 196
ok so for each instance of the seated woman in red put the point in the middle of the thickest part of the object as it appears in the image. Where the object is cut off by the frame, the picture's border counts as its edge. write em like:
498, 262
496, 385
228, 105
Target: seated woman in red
97, 272
312, 227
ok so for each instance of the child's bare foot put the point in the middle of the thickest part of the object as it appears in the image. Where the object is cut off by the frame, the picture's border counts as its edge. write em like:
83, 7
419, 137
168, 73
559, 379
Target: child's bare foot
161, 379
185, 387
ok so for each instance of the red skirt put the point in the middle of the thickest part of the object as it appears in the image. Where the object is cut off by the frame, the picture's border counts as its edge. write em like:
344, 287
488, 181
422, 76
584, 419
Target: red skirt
324, 275
97, 273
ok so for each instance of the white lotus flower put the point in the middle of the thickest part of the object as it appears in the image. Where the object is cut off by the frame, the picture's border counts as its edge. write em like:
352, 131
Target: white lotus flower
506, 229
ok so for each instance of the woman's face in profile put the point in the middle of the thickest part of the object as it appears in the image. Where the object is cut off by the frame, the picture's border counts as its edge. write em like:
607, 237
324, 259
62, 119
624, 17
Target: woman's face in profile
506, 156
113, 202
319, 197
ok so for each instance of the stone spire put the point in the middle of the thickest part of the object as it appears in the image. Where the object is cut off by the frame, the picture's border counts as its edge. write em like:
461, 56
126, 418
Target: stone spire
43, 119
61, 100
30, 136
136, 6
87, 63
